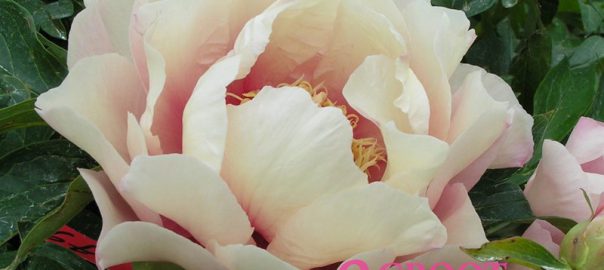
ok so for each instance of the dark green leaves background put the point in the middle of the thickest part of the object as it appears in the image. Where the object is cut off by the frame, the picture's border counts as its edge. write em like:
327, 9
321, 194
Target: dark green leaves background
550, 51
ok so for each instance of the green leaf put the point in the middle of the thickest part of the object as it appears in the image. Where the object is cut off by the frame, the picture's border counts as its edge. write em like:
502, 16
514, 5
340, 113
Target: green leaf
519, 251
495, 49
52, 257
509, 3
592, 15
589, 52
21, 115
78, 196
563, 224
155, 266
470, 7
34, 180
24, 61
47, 15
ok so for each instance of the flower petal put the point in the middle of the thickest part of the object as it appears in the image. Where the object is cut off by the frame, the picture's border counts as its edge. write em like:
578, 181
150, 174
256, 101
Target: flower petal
91, 106
545, 234
517, 147
428, 28
186, 191
555, 188
143, 242
102, 27
456, 212
137, 143
240, 257
112, 206
586, 142
413, 160
359, 219
478, 121
283, 152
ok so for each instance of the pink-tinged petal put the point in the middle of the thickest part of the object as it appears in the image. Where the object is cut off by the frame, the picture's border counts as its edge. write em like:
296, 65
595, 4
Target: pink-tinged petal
555, 188
456, 212
517, 148
157, 79
137, 143
545, 234
343, 33
478, 121
428, 28
373, 259
190, 35
283, 152
188, 192
413, 160
365, 218
600, 209
384, 89
586, 142
594, 166
145, 242
205, 116
112, 206
240, 257
452, 255
91, 106
102, 27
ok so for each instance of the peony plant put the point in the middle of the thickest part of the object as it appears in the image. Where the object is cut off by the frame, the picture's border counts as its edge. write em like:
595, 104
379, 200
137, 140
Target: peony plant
283, 135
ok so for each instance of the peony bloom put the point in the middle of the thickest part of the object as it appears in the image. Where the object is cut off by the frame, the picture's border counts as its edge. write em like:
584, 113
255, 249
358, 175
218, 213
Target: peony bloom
564, 173
249, 134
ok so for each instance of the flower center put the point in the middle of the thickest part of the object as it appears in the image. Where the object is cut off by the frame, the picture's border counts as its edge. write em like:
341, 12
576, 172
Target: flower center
366, 151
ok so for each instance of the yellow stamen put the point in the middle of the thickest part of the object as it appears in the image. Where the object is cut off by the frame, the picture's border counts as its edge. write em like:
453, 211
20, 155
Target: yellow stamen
367, 152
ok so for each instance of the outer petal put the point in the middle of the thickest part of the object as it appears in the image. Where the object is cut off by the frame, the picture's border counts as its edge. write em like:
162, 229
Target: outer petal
102, 27
545, 234
90, 108
240, 257
204, 30
283, 152
555, 188
112, 206
428, 28
413, 160
478, 121
141, 241
586, 142
384, 90
359, 219
517, 147
193, 195
456, 212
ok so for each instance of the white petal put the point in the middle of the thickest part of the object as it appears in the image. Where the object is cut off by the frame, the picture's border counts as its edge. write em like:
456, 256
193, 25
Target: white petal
205, 116
102, 27
384, 90
193, 195
359, 219
112, 206
144, 242
413, 160
586, 142
283, 152
456, 212
137, 143
90, 108
240, 257
555, 188
437, 38
517, 148
478, 121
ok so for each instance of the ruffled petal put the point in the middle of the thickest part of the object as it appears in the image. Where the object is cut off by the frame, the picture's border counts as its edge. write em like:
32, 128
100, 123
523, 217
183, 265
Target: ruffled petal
586, 142
336, 227
186, 191
555, 188
283, 151
144, 242
517, 148
413, 160
478, 121
102, 27
245, 257
545, 234
456, 212
427, 29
